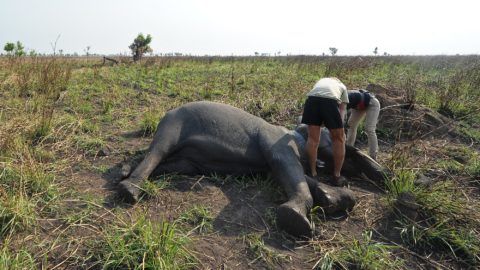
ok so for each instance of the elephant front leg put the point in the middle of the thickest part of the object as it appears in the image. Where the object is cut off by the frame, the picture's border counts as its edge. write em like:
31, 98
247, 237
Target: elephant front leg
292, 216
283, 158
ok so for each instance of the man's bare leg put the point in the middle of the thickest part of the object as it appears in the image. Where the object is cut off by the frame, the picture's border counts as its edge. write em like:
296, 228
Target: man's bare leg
338, 140
311, 148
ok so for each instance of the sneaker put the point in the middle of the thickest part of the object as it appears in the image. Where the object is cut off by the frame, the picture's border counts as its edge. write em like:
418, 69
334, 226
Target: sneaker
339, 181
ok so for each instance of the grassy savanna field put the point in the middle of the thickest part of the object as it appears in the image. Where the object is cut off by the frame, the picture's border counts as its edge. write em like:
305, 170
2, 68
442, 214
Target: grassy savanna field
67, 126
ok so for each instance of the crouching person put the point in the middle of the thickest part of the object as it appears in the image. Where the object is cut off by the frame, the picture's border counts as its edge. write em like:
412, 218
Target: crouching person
363, 105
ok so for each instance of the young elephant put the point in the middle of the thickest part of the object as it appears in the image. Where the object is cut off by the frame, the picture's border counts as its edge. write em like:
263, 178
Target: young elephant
205, 137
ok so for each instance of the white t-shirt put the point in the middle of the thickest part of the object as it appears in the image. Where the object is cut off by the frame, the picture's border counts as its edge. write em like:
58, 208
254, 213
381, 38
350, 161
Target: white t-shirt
330, 88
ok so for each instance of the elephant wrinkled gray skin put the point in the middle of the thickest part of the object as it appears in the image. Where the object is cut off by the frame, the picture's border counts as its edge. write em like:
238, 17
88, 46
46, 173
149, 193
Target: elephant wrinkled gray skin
205, 137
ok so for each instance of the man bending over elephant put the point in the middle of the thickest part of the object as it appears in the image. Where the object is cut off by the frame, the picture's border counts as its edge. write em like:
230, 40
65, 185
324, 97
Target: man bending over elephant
325, 105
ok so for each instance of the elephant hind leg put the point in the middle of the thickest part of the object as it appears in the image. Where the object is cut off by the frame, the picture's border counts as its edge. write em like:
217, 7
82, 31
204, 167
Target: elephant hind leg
165, 140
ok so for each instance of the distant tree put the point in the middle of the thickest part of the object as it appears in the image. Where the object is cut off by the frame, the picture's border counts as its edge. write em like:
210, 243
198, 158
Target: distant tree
32, 53
256, 53
15, 49
9, 47
385, 53
19, 49
87, 51
375, 51
333, 50
140, 46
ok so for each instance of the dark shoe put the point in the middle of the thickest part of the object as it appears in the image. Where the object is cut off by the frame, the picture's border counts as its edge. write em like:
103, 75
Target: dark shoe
339, 181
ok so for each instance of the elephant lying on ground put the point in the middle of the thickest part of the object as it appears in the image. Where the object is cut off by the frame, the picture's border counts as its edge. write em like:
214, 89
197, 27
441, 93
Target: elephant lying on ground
205, 137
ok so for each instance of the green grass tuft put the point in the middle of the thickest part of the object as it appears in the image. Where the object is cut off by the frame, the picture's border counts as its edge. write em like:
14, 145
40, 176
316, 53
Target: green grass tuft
16, 260
364, 254
22, 189
17, 213
153, 188
256, 246
402, 182
144, 245
149, 122
200, 217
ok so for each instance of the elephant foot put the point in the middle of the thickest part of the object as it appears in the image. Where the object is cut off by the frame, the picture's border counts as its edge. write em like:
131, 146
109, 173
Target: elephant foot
332, 199
291, 220
129, 191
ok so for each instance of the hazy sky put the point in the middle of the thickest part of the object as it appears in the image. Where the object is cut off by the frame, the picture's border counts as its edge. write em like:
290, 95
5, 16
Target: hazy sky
242, 27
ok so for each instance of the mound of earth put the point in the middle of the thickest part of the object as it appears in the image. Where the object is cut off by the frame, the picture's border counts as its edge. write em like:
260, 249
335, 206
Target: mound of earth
401, 119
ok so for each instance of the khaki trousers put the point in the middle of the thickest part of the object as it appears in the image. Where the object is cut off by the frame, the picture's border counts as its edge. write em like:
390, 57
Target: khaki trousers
371, 118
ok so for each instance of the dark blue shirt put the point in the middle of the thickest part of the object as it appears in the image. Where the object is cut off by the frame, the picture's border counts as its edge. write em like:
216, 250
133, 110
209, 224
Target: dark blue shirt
358, 99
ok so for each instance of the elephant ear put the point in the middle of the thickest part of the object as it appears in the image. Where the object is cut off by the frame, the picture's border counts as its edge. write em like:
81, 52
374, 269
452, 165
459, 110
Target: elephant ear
368, 166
